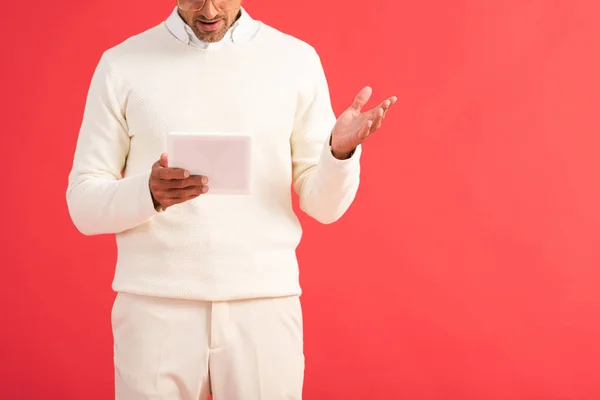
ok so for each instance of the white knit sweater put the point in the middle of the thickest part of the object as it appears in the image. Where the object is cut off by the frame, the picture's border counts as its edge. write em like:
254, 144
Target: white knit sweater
215, 247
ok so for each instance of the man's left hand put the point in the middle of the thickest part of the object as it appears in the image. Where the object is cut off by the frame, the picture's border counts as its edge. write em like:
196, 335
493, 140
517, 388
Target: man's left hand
354, 125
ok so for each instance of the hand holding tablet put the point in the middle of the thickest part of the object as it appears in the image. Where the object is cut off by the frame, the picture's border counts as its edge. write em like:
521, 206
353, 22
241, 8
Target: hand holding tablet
201, 163
224, 158
170, 186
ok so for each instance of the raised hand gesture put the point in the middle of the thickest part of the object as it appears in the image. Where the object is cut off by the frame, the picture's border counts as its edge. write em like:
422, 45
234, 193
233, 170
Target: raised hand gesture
355, 125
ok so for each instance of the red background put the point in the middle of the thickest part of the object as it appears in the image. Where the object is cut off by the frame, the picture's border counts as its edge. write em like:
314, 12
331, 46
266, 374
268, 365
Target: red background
469, 266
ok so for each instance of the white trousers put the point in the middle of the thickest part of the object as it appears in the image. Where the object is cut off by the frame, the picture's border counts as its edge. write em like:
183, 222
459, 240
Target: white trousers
167, 349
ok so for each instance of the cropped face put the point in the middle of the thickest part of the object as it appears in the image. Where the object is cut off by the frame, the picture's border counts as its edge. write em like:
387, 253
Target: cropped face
209, 19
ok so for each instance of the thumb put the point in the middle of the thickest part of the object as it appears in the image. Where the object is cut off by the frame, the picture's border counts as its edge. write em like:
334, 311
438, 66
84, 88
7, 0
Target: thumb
164, 160
361, 98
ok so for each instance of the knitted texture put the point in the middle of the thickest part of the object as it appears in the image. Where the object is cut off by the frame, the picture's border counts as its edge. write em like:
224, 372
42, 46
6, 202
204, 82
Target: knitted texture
215, 247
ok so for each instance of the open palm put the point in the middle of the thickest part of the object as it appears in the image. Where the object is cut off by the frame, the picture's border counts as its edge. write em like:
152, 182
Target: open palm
353, 126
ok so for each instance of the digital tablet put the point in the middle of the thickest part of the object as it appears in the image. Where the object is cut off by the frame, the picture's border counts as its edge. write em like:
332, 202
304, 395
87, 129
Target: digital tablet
224, 158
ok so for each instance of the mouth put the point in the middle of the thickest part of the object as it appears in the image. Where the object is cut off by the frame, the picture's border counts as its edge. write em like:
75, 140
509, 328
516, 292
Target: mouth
209, 25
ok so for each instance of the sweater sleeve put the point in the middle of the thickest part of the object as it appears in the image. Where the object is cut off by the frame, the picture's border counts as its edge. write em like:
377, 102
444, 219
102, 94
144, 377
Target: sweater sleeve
99, 200
326, 186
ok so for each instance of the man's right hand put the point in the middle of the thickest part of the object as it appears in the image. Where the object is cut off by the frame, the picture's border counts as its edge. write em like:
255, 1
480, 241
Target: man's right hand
170, 186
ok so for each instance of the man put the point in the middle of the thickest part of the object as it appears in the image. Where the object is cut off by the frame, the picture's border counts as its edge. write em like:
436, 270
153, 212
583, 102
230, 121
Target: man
208, 286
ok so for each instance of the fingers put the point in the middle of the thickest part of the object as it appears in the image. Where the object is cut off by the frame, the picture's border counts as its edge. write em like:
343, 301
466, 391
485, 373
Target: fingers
173, 173
365, 131
167, 194
361, 98
379, 115
196, 180
164, 172
183, 194
375, 117
387, 103
170, 186
164, 160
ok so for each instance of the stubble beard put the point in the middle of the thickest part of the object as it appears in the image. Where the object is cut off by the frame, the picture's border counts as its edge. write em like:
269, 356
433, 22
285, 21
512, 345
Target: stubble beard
210, 37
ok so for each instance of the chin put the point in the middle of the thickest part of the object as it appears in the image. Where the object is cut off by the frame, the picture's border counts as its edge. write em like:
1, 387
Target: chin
212, 37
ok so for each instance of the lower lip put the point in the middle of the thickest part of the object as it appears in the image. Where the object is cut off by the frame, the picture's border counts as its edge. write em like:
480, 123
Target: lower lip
210, 27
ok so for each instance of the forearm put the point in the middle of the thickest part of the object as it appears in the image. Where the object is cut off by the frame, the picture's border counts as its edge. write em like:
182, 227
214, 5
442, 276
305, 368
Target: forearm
99, 200
105, 205
328, 189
